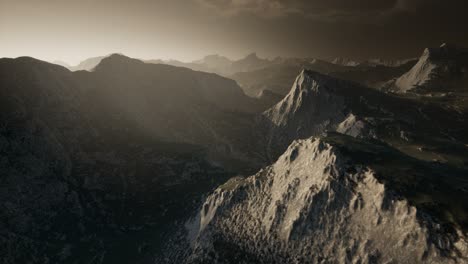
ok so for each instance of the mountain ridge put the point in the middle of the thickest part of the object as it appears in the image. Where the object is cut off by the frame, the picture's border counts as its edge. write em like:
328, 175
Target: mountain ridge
439, 69
295, 210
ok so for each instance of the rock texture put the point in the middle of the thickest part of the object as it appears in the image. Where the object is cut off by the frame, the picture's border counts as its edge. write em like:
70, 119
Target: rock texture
106, 166
86, 178
440, 69
319, 103
318, 205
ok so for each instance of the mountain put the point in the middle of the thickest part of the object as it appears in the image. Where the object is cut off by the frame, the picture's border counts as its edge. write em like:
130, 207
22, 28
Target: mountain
334, 200
310, 100
319, 103
249, 63
124, 152
216, 63
62, 63
135, 155
376, 162
88, 64
370, 62
175, 104
387, 63
221, 65
270, 98
345, 62
374, 76
438, 70
277, 77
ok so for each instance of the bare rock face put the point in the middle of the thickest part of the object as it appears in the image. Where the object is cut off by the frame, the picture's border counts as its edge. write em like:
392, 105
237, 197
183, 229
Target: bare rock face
440, 69
355, 127
310, 94
311, 107
318, 103
318, 205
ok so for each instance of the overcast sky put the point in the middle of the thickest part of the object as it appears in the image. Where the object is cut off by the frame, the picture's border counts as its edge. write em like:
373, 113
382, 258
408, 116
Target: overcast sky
72, 30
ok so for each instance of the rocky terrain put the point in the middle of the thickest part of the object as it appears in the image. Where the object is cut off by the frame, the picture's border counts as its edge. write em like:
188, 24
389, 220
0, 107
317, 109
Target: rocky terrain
438, 70
277, 78
318, 103
122, 152
385, 188
256, 75
330, 200
130, 161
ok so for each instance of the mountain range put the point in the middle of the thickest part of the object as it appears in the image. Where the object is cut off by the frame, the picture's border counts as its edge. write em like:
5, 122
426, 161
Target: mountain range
247, 161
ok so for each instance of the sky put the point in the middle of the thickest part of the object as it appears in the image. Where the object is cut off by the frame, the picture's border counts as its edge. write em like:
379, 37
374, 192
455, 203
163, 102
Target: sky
73, 30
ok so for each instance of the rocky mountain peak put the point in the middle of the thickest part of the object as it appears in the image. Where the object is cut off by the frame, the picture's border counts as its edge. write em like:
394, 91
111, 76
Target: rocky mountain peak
297, 209
311, 92
437, 70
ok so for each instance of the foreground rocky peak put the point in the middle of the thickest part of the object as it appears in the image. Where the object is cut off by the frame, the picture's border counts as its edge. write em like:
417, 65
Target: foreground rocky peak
318, 204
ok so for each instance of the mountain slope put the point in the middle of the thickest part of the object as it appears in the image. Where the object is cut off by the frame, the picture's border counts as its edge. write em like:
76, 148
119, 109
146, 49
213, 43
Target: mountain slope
278, 77
318, 103
440, 69
175, 104
88, 64
330, 200
221, 65
89, 148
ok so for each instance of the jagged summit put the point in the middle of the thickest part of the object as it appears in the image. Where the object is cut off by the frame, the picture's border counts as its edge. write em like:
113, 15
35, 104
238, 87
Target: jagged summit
314, 105
249, 63
297, 210
319, 103
439, 69
310, 93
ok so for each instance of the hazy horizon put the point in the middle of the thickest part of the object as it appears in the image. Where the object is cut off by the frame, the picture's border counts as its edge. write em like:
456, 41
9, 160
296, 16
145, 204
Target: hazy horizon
344, 140
72, 31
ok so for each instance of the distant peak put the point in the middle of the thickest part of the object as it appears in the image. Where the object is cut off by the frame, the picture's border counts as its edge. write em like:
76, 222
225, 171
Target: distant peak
116, 60
252, 55
448, 45
213, 56
30, 61
116, 56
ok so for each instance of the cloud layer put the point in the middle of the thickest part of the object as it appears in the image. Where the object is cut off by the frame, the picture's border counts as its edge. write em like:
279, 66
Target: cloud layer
367, 11
310, 8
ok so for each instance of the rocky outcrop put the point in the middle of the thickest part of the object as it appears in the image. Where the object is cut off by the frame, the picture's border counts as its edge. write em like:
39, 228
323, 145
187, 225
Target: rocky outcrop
440, 69
318, 204
319, 103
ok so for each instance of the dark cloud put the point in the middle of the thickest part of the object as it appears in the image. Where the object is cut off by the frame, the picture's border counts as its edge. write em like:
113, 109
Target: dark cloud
363, 11
189, 29
307, 8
